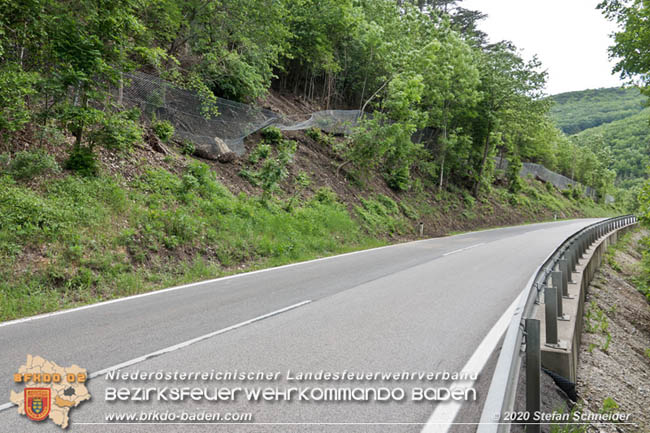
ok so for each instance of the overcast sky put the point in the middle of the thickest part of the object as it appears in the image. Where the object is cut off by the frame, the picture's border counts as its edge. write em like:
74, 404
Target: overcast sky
570, 37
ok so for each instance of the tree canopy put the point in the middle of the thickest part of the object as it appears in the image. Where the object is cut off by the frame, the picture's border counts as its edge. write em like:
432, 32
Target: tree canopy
444, 100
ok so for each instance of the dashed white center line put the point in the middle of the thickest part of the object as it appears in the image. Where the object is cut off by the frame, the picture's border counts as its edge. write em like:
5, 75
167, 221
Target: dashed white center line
183, 344
463, 249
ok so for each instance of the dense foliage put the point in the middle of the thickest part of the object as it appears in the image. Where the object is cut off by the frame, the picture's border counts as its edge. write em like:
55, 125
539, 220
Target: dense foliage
612, 123
419, 66
629, 142
632, 49
576, 111
438, 101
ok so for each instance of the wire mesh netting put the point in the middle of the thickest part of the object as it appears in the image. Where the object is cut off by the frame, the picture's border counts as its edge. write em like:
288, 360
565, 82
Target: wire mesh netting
540, 172
185, 110
330, 121
235, 121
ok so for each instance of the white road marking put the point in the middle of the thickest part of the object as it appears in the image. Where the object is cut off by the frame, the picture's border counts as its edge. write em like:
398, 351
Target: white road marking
463, 249
184, 344
198, 283
444, 414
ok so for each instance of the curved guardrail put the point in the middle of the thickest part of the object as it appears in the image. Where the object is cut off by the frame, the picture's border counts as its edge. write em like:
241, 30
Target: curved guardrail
503, 388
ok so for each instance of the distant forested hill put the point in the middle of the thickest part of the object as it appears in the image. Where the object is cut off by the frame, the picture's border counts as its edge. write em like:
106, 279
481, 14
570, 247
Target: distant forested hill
615, 120
629, 141
577, 111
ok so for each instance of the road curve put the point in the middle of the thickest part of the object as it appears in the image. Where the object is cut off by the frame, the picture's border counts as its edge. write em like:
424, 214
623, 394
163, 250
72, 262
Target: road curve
422, 306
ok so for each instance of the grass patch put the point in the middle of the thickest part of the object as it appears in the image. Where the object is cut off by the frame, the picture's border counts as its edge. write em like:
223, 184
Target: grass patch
82, 240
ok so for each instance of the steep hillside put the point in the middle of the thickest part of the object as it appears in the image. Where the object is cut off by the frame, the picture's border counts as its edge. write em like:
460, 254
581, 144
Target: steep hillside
615, 122
576, 111
151, 219
629, 140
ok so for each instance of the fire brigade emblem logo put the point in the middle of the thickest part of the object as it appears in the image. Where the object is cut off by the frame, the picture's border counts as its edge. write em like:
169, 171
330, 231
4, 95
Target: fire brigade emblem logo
37, 403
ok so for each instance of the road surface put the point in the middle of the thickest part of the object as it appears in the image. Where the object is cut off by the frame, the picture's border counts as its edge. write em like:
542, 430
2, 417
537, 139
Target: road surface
427, 306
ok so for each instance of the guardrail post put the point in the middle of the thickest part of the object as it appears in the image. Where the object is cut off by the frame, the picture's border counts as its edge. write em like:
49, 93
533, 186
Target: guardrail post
572, 259
579, 248
533, 373
550, 313
556, 281
564, 268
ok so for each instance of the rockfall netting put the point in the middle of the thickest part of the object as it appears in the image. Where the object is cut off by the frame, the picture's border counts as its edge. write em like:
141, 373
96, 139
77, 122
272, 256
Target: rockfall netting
540, 172
234, 122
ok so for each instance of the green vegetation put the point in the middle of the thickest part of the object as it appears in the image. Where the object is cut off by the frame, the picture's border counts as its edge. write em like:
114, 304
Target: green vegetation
98, 239
416, 66
613, 125
576, 111
73, 240
415, 69
609, 405
627, 142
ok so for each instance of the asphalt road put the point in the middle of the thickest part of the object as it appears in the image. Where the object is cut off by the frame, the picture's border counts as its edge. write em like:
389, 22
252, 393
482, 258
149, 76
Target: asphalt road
418, 307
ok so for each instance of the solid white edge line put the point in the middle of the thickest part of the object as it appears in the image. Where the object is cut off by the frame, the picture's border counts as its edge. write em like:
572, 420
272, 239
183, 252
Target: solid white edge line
184, 344
243, 274
444, 414
198, 283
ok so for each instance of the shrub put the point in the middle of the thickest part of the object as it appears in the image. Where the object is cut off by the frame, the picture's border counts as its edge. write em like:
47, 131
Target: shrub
273, 168
470, 201
117, 131
314, 134
512, 174
163, 129
380, 215
188, 148
319, 137
26, 165
576, 193
398, 178
272, 134
82, 161
325, 195
15, 87
262, 151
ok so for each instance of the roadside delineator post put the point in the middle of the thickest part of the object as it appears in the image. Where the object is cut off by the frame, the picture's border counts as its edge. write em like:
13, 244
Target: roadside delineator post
533, 373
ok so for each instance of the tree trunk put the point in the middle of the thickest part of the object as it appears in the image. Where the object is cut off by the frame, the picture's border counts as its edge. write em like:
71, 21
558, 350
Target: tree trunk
120, 95
486, 151
444, 150
442, 171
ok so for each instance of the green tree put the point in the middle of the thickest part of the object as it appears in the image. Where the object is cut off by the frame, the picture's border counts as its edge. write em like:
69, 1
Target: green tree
508, 84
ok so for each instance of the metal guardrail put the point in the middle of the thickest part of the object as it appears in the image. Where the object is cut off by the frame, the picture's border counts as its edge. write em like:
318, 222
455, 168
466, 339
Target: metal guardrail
559, 267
